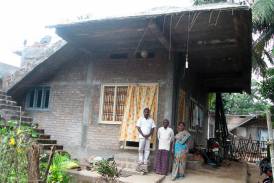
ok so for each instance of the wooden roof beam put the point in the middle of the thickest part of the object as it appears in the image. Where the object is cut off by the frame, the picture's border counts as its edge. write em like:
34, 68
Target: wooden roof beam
159, 35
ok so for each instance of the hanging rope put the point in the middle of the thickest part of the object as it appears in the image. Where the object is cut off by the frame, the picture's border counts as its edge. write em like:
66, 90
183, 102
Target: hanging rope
187, 41
164, 23
216, 21
188, 30
142, 37
179, 20
196, 15
210, 16
217, 17
170, 26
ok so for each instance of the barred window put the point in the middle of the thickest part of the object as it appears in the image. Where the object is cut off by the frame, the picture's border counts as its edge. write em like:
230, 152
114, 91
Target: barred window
113, 103
38, 98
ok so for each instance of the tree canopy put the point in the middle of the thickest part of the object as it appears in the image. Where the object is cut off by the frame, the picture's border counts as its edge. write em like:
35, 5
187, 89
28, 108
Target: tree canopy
243, 104
267, 85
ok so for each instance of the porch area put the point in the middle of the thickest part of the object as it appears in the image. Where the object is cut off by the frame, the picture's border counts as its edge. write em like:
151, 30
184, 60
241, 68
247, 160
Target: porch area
207, 174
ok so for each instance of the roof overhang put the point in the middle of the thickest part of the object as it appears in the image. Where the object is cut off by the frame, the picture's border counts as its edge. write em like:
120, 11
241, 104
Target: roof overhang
219, 40
219, 43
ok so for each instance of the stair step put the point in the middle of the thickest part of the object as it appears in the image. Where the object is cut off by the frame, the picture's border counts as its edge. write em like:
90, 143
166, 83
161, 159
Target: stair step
23, 118
48, 151
40, 131
10, 112
5, 97
2, 92
46, 141
48, 146
27, 123
10, 107
8, 102
44, 136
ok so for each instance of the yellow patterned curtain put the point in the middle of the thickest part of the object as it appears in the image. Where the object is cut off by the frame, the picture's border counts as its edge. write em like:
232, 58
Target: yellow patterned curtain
138, 98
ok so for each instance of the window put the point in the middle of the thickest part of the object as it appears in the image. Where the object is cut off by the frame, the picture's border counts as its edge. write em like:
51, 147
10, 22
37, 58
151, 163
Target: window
211, 131
113, 103
196, 115
38, 98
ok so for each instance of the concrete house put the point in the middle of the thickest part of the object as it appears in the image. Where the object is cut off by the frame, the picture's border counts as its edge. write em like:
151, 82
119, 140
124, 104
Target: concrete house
254, 127
6, 69
89, 94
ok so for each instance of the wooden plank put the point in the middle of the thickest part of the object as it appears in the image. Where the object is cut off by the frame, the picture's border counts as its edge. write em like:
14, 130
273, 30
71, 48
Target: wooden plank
49, 162
159, 34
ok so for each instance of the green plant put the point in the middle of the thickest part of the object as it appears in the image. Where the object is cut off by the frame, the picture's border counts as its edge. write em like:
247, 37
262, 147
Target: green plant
267, 85
108, 169
14, 143
58, 169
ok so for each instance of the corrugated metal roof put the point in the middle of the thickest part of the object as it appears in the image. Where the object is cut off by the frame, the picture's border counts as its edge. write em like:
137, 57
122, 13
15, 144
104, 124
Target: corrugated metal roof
157, 11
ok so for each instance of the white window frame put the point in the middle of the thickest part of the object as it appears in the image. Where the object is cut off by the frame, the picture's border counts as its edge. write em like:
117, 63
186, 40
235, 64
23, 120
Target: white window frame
123, 143
27, 99
116, 85
114, 104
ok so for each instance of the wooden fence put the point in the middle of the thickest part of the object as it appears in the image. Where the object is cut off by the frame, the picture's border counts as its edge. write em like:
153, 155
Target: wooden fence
248, 149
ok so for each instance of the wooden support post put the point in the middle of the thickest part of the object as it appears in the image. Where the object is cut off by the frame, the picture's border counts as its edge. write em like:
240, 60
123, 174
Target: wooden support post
270, 137
33, 164
49, 162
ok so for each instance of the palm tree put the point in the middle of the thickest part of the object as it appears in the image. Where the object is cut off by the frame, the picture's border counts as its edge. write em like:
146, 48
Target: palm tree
263, 26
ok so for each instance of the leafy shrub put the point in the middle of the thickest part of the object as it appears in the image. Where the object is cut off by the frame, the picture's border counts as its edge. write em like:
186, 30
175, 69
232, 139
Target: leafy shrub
14, 143
108, 169
60, 164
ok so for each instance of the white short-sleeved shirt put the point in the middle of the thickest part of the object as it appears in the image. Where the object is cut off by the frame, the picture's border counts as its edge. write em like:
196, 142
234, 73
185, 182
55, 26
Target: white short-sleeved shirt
165, 137
146, 125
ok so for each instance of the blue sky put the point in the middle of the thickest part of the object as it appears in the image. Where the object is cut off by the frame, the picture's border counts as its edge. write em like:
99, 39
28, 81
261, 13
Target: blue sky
26, 19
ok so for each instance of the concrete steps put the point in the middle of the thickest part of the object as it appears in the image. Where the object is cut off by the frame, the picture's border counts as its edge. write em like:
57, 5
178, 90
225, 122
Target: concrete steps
23, 118
10, 110
49, 146
5, 97
10, 107
43, 136
46, 141
7, 102
2, 92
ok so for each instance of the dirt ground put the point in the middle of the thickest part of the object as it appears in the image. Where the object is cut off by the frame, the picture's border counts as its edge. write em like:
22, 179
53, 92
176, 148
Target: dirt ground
230, 172
254, 173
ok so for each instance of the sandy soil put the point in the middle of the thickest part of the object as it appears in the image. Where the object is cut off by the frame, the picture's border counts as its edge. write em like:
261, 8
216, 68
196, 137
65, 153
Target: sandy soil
254, 173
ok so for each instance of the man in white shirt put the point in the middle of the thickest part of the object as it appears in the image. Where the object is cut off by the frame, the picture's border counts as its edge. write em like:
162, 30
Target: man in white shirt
165, 136
145, 126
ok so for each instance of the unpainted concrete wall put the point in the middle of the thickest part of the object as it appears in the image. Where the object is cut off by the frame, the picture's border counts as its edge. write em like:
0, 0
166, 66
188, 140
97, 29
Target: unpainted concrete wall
73, 114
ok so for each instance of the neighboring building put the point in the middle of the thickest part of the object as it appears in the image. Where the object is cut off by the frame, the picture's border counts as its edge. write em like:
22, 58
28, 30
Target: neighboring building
244, 126
254, 127
6, 69
89, 94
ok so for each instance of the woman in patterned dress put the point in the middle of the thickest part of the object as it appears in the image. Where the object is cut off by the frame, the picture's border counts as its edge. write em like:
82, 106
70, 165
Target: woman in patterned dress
180, 151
